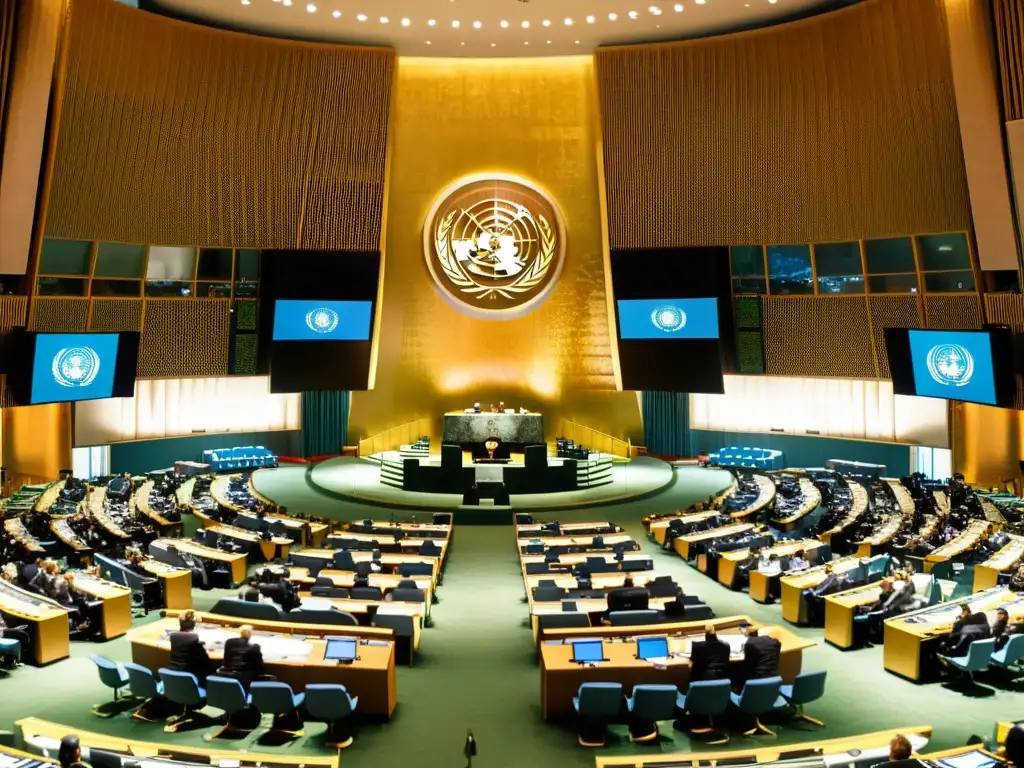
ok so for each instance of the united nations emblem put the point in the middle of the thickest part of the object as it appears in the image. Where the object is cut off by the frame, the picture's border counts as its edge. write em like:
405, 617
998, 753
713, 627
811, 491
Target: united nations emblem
75, 366
494, 245
950, 365
322, 320
669, 318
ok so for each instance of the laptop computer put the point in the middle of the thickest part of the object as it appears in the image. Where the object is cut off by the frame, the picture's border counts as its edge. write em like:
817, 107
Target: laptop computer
588, 651
341, 649
651, 648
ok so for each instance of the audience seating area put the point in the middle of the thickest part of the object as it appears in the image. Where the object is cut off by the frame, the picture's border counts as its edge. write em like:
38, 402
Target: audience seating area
239, 457
747, 456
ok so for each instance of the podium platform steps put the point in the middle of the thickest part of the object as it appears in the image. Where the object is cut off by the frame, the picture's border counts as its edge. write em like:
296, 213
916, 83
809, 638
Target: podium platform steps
392, 473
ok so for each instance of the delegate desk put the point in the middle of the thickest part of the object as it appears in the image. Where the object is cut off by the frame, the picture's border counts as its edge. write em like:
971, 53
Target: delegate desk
386, 542
367, 609
969, 538
792, 587
38, 733
561, 677
433, 531
659, 528
684, 545
911, 640
569, 559
516, 430
760, 581
858, 507
270, 549
164, 526
47, 622
766, 491
869, 546
383, 581
986, 574
293, 653
301, 531
116, 602
841, 607
176, 583
16, 529
236, 562
575, 541
811, 501
536, 530
387, 560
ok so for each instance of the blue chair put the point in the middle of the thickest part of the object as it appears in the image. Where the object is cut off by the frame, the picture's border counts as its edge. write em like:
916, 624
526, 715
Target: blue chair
596, 704
279, 700
878, 566
934, 592
648, 705
707, 698
979, 654
1011, 653
144, 685
806, 687
182, 688
114, 677
10, 649
332, 704
228, 695
757, 697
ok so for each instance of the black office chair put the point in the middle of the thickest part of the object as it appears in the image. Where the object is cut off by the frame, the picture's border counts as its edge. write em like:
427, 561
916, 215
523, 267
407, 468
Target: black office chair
366, 593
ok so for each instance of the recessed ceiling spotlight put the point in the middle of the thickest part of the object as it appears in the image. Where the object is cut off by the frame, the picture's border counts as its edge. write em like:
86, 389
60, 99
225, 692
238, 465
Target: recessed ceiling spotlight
549, 42
336, 14
431, 22
633, 14
526, 25
384, 19
577, 42
493, 44
246, 2
590, 19
406, 22
361, 17
463, 42
277, 1
546, 22
701, 2
504, 24
654, 10
477, 25
526, 42
612, 16
428, 42
678, 7
568, 22
311, 8
455, 25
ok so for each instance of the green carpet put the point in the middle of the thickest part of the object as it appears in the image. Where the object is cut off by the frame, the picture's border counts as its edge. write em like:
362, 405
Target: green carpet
477, 667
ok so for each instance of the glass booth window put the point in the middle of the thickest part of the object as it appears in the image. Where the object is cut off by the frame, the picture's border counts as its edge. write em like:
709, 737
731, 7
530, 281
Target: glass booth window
120, 260
944, 252
838, 268
747, 269
889, 256
789, 269
65, 257
171, 271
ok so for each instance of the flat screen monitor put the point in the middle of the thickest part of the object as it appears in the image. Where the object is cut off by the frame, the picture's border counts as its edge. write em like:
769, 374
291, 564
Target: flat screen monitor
318, 320
668, 319
587, 651
973, 759
651, 647
340, 649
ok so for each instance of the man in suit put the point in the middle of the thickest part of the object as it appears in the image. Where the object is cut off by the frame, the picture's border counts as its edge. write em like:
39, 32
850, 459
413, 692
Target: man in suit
900, 751
709, 658
760, 655
187, 651
1002, 628
966, 629
243, 660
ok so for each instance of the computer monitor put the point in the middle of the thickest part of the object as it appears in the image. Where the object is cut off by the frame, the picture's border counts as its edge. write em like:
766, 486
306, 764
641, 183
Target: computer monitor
340, 649
974, 759
589, 650
651, 647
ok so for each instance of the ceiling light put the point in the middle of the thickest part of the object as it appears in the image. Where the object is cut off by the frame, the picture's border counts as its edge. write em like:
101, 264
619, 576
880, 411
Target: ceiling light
428, 42
246, 2
945, 248
431, 22
277, 1
384, 19
336, 14
590, 19
287, 2
526, 42
526, 25
678, 7
546, 23
568, 22
549, 42
455, 25
477, 25
654, 10
406, 22
361, 17
504, 24
311, 8
701, 2
612, 16
463, 42
493, 44
633, 14
577, 42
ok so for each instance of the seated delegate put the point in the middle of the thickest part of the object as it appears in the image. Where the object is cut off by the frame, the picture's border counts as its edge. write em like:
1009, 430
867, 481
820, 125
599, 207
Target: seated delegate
709, 658
1002, 628
187, 651
243, 659
761, 655
966, 629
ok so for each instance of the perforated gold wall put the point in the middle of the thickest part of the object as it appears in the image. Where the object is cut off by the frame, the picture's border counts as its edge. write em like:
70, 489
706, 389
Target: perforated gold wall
837, 127
1009, 18
181, 134
65, 315
13, 314
890, 312
953, 312
185, 337
116, 315
7, 32
823, 336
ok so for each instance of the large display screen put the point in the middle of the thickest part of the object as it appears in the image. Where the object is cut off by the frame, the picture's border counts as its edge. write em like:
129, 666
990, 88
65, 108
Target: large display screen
972, 366
667, 319
315, 320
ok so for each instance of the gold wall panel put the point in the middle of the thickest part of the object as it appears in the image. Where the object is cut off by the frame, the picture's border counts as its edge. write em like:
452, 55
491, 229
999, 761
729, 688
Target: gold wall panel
185, 337
818, 336
234, 140
988, 443
8, 27
59, 315
953, 312
36, 443
116, 315
1005, 309
837, 127
890, 312
537, 119
1009, 18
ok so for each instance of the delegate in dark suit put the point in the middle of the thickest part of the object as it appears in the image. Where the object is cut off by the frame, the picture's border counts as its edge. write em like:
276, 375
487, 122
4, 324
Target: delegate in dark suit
187, 651
968, 628
761, 656
709, 658
242, 660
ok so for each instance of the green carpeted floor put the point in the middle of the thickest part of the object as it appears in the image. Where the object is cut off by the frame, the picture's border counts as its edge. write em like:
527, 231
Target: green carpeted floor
478, 669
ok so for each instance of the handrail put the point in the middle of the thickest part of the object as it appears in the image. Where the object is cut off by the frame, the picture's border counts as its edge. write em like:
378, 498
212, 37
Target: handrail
591, 438
390, 439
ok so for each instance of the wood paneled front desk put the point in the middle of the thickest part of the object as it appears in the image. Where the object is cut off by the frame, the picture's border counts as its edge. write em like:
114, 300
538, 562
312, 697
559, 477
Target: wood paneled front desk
237, 563
760, 582
986, 574
911, 640
116, 608
561, 677
176, 583
968, 539
46, 620
792, 587
388, 561
659, 528
293, 653
683, 544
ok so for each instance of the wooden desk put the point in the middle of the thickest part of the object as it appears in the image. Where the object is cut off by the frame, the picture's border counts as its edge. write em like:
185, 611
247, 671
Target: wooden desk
766, 491
389, 560
659, 528
277, 546
561, 677
116, 608
592, 606
163, 525
95, 504
535, 530
967, 540
47, 622
409, 546
16, 529
31, 728
858, 506
811, 501
62, 530
1002, 730
840, 609
383, 581
295, 661
682, 544
792, 587
237, 562
176, 583
911, 639
567, 561
301, 531
364, 609
576, 541
986, 574
760, 582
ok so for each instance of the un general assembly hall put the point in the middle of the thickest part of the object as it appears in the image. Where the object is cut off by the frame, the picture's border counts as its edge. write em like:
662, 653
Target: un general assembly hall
504, 383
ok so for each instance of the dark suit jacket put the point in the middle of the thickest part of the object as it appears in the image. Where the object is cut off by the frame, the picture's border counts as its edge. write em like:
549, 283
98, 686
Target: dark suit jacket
974, 618
242, 660
188, 654
908, 763
709, 660
761, 657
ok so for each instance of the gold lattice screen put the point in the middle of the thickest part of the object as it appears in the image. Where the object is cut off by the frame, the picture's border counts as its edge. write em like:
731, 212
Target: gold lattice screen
890, 312
818, 337
185, 337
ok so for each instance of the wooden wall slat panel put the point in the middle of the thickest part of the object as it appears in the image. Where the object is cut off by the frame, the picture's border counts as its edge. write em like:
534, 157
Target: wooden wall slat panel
818, 336
185, 337
1009, 23
952, 313
59, 315
890, 312
837, 127
175, 133
116, 315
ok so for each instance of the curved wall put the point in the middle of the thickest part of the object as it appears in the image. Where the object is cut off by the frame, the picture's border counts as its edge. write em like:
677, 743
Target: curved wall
178, 134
